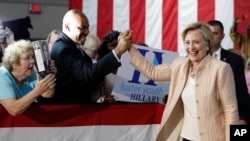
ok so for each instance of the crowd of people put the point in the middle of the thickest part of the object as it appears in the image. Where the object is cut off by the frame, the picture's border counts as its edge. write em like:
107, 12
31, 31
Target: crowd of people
209, 86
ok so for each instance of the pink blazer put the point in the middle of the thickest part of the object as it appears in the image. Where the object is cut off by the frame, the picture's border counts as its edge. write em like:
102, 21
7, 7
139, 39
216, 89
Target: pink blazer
215, 94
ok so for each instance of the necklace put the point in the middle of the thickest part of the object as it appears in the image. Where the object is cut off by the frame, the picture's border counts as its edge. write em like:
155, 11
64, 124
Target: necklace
192, 73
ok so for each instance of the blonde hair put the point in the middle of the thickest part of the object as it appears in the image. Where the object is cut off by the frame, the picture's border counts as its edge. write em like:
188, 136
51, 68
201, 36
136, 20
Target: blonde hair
14, 51
91, 45
247, 65
57, 32
205, 31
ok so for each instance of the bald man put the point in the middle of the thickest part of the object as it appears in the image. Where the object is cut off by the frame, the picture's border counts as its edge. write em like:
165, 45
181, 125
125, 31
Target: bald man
76, 75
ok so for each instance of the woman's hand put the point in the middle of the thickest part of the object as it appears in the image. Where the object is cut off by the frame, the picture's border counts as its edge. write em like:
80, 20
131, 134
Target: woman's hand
46, 84
49, 93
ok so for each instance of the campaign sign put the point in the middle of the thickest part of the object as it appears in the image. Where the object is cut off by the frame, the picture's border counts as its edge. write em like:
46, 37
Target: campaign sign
131, 86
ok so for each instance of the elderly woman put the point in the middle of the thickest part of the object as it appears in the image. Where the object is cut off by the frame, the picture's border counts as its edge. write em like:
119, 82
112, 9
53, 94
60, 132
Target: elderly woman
202, 103
19, 85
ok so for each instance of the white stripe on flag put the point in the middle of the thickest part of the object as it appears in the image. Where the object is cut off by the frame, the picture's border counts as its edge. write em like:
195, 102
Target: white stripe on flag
121, 15
81, 133
153, 23
224, 12
90, 9
187, 13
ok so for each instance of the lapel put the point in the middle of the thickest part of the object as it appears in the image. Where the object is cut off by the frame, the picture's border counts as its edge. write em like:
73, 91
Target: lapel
65, 38
224, 55
184, 72
84, 55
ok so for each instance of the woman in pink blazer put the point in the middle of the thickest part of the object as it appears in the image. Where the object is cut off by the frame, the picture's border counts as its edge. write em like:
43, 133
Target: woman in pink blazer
202, 102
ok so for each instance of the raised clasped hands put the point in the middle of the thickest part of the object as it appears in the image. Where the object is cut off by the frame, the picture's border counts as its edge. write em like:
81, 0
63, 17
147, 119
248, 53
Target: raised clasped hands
125, 40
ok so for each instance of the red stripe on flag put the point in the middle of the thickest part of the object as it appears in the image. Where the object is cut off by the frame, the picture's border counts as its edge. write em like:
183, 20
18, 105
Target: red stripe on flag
104, 17
242, 7
137, 20
84, 115
169, 25
206, 10
75, 4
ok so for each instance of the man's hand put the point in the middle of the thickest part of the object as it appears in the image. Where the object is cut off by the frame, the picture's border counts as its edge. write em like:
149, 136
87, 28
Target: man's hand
125, 40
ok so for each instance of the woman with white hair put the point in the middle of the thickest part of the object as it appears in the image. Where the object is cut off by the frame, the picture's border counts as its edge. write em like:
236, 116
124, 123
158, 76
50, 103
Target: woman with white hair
19, 85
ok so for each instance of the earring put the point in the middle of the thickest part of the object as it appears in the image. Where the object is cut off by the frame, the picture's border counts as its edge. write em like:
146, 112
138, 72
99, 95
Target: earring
207, 49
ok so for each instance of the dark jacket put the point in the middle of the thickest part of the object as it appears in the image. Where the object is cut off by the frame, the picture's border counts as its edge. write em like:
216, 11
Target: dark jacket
236, 63
76, 76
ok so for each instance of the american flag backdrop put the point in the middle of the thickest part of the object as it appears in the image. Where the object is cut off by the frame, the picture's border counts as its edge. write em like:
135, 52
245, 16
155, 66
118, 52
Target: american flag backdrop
159, 23
95, 122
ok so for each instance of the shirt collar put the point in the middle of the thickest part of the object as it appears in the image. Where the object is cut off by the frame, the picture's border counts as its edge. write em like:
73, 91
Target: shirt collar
218, 52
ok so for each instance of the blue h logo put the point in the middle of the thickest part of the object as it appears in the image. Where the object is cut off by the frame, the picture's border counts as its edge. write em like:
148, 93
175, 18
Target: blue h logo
157, 60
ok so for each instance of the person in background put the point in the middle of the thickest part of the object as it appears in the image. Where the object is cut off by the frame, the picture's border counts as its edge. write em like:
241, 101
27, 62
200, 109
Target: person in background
52, 36
109, 42
236, 63
91, 46
19, 85
6, 37
202, 91
243, 41
247, 75
77, 76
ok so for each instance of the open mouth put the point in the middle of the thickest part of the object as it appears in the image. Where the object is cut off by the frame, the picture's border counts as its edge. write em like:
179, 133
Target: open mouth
30, 68
192, 53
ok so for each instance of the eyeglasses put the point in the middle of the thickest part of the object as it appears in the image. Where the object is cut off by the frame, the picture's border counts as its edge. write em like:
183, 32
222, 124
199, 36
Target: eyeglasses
28, 58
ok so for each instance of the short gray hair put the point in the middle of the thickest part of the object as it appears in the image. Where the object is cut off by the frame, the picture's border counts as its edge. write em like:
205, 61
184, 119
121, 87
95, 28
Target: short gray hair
14, 51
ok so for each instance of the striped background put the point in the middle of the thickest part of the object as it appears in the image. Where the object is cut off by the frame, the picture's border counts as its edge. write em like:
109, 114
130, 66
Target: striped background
159, 22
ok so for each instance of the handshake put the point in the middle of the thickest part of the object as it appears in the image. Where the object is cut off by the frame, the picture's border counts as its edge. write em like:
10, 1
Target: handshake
125, 41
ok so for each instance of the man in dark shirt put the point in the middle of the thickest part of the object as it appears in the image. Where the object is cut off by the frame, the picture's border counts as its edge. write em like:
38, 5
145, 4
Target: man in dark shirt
76, 75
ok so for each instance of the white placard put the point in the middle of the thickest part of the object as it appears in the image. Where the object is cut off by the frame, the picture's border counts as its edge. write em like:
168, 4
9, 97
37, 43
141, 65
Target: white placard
131, 86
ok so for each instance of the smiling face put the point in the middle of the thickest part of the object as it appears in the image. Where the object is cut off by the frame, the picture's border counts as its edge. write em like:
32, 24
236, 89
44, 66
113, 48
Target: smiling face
76, 26
79, 29
25, 67
196, 46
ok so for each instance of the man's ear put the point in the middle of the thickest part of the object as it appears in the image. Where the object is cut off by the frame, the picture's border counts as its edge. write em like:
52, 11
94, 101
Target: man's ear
223, 35
67, 26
